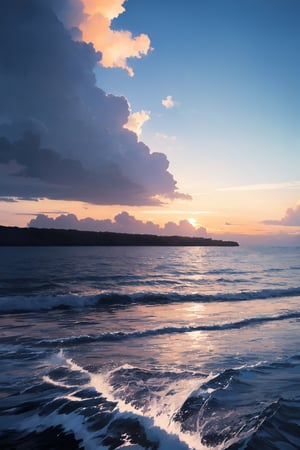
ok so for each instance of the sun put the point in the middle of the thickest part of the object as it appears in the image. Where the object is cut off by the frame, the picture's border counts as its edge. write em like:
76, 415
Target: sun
192, 221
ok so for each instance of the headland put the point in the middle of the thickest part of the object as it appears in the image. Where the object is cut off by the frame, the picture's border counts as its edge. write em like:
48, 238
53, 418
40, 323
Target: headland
27, 237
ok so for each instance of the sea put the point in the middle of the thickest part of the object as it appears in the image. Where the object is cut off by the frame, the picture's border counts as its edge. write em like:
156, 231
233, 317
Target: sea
157, 348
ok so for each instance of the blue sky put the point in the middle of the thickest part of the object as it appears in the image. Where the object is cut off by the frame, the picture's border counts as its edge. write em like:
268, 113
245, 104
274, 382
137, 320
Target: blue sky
233, 69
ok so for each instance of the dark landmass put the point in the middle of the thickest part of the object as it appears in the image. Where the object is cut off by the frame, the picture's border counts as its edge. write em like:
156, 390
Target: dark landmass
14, 236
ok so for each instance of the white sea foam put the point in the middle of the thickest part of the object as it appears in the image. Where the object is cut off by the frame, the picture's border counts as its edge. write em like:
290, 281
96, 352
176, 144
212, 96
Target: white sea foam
71, 422
157, 421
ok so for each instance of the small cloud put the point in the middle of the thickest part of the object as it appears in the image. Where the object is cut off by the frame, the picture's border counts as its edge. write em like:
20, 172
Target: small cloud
165, 137
291, 218
168, 102
136, 121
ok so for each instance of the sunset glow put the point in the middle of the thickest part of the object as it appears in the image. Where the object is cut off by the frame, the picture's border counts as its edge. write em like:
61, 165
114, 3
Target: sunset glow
192, 221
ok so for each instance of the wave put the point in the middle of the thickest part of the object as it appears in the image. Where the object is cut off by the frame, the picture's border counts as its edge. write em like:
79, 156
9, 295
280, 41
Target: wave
120, 335
73, 407
131, 407
277, 426
227, 411
17, 304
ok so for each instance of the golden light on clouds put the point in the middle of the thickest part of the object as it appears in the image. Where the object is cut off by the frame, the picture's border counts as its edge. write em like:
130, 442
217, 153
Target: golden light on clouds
116, 46
192, 221
108, 8
136, 121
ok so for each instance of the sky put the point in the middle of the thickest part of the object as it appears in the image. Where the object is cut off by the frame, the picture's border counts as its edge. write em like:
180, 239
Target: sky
152, 116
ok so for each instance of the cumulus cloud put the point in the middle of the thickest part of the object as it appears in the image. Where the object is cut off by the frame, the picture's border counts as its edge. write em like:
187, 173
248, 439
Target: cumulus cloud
136, 121
290, 219
168, 102
62, 136
122, 223
184, 228
116, 46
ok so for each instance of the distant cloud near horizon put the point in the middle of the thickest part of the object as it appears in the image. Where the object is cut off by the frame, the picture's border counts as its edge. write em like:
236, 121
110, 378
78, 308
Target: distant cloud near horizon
168, 102
61, 136
122, 223
291, 218
126, 223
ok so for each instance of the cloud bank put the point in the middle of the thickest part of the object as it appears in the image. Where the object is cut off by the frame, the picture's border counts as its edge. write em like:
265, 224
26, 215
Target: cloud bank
122, 223
61, 136
291, 218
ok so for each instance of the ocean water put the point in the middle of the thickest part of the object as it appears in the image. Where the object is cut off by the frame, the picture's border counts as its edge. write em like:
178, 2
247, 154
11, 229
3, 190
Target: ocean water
158, 348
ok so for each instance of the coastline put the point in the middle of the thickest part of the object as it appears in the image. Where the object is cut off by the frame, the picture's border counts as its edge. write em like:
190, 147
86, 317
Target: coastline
24, 237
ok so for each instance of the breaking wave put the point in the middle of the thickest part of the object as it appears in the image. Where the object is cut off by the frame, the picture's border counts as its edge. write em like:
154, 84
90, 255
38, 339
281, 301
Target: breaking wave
11, 304
130, 407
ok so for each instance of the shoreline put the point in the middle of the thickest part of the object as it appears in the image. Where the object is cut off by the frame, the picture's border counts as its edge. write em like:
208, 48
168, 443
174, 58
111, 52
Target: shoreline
44, 237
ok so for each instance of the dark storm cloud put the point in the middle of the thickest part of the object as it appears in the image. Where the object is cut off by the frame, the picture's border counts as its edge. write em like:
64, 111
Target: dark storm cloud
47, 88
35, 171
69, 12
